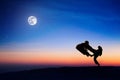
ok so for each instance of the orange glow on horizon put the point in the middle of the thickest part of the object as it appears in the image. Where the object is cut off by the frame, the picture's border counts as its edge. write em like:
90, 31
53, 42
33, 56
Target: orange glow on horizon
55, 58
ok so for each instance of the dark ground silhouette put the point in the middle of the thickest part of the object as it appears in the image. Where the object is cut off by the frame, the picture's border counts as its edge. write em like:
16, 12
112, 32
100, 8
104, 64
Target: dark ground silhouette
65, 73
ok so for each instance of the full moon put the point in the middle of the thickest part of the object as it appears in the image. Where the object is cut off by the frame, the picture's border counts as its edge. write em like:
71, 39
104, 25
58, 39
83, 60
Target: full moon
32, 20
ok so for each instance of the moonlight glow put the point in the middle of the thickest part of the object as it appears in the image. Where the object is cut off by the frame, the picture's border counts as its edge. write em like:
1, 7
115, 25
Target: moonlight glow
32, 20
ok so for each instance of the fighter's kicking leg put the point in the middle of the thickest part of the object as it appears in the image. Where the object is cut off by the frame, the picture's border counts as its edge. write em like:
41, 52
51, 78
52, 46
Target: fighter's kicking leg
86, 53
95, 60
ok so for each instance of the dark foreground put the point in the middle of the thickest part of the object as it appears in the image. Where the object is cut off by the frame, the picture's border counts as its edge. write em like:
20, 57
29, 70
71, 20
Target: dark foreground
65, 73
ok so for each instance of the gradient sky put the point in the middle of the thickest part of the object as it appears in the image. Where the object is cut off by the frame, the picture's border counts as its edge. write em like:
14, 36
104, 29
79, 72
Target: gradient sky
62, 24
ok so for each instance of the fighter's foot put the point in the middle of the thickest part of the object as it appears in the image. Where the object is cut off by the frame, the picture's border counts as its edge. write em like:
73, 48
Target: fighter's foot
98, 65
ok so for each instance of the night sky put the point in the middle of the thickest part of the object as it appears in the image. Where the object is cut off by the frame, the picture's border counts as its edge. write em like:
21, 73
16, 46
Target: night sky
62, 24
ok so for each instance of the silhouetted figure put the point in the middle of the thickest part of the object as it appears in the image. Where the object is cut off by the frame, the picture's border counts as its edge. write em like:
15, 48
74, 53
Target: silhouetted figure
97, 53
83, 47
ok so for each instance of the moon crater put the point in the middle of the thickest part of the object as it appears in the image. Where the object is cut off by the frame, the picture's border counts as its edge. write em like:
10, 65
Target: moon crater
32, 20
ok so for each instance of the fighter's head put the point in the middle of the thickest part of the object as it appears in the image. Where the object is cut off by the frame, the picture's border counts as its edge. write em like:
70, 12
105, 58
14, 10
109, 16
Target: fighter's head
86, 42
99, 47
100, 50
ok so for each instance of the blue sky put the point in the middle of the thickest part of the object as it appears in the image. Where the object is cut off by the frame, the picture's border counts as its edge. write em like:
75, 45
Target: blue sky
61, 23
101, 17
